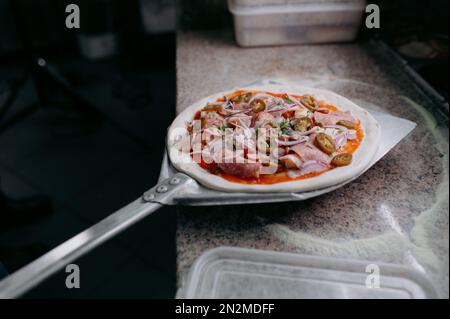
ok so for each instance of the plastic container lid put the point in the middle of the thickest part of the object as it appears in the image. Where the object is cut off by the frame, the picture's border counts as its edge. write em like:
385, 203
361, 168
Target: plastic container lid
228, 272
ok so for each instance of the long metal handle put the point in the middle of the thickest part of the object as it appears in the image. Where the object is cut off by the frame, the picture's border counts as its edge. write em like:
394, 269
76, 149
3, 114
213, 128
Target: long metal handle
32, 274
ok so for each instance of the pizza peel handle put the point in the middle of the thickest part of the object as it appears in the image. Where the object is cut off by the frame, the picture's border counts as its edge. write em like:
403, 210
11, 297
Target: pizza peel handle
32, 274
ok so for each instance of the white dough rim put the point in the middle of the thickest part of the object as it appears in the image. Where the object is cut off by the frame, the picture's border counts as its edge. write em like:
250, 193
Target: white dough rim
361, 158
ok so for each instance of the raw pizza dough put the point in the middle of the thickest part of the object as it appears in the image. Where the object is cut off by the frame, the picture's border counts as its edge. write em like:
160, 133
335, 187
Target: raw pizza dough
361, 158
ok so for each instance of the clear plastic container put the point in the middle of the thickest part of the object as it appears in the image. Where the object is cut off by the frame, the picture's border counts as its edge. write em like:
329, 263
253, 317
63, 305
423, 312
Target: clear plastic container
228, 272
281, 22
258, 3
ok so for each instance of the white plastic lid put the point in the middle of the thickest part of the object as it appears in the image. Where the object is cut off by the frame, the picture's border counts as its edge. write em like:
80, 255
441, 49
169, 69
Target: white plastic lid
228, 272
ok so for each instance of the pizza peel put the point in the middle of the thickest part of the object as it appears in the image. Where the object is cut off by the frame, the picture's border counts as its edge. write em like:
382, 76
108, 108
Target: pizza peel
192, 193
175, 188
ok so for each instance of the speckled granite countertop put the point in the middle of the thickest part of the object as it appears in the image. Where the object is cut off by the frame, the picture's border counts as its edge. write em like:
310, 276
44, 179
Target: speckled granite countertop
396, 212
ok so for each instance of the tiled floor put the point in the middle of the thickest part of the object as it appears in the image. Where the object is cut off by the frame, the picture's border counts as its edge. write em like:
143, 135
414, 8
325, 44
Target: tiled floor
90, 169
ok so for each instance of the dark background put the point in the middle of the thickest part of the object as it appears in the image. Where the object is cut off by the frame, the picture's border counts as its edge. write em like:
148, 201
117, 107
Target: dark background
91, 156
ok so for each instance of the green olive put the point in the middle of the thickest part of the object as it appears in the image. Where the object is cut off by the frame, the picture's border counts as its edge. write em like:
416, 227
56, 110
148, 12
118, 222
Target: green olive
325, 143
309, 102
302, 124
242, 98
258, 105
348, 124
343, 159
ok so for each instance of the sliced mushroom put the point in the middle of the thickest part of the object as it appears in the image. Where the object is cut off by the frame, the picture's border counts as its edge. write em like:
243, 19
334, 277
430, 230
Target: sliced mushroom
342, 159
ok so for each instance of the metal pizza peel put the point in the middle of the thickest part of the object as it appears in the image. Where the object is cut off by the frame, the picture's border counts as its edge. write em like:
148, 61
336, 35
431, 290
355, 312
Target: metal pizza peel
175, 188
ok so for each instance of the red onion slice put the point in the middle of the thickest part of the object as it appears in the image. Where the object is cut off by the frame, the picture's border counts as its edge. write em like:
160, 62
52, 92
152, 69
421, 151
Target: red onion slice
351, 135
292, 160
280, 109
340, 140
312, 166
235, 112
283, 109
306, 168
290, 143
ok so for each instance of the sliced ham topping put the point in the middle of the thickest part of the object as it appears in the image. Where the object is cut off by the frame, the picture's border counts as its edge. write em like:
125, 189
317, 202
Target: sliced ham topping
309, 152
340, 140
332, 117
351, 135
242, 170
